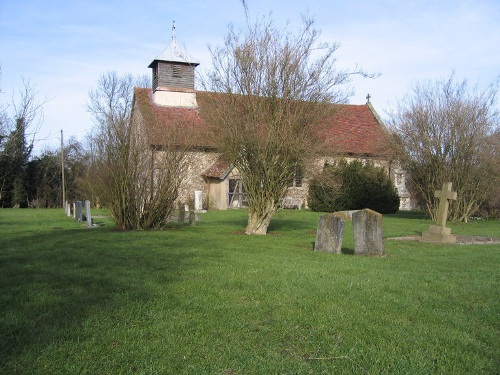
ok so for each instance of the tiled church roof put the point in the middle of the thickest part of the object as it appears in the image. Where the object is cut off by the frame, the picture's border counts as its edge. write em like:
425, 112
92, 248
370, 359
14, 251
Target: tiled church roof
351, 129
355, 130
160, 120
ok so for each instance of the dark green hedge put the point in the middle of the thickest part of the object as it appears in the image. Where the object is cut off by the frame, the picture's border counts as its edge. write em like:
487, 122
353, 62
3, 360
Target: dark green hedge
353, 186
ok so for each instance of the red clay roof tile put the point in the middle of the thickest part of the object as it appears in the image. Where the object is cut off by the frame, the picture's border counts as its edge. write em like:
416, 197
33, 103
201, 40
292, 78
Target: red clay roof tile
352, 129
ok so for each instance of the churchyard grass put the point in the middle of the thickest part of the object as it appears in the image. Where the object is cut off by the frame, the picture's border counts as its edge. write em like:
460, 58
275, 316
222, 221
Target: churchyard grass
210, 300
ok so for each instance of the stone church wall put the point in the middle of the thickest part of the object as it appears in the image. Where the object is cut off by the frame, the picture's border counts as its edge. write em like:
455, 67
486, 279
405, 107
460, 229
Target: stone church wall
297, 196
198, 161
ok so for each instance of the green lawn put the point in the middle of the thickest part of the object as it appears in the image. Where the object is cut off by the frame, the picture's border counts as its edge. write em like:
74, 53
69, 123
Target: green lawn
209, 300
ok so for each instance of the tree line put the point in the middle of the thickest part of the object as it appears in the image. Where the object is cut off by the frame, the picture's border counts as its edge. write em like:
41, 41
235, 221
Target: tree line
28, 180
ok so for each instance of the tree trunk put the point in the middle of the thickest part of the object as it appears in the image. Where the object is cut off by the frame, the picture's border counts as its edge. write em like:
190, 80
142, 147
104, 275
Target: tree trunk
258, 222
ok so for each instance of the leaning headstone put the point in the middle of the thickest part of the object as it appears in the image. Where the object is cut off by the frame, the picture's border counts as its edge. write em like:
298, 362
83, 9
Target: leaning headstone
87, 212
368, 232
439, 232
182, 212
192, 218
79, 216
330, 234
198, 200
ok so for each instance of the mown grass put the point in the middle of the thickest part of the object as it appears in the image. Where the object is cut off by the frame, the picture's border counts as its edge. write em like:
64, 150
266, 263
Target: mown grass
209, 300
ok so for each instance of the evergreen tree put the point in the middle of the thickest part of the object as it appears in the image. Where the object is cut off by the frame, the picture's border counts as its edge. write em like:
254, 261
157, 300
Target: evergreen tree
353, 186
14, 158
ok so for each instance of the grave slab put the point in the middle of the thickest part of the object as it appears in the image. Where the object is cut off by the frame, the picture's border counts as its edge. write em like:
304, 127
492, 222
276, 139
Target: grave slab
368, 232
330, 234
87, 213
182, 212
78, 214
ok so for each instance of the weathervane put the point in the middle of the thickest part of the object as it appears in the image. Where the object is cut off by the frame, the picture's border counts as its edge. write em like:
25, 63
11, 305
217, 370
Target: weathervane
173, 30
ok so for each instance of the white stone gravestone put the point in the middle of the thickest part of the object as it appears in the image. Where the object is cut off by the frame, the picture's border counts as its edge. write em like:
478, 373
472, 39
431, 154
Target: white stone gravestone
79, 216
198, 200
87, 212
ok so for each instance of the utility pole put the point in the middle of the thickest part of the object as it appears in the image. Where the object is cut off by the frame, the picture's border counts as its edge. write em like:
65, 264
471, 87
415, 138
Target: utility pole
62, 173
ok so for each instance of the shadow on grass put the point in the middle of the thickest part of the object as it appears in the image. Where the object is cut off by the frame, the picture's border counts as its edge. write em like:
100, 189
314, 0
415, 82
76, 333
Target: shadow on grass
288, 224
52, 282
344, 250
282, 221
347, 251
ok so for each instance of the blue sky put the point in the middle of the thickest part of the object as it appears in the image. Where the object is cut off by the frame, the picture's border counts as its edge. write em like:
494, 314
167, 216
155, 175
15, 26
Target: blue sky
64, 46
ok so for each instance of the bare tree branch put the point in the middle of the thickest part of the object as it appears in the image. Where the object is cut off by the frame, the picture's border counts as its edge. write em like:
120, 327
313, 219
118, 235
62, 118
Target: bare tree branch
446, 134
138, 182
275, 86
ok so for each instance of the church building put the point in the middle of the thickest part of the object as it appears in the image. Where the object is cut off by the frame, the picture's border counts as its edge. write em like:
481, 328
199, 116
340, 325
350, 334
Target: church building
353, 132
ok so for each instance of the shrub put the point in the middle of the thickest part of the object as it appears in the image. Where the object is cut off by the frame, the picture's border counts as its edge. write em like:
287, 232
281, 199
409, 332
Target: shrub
353, 186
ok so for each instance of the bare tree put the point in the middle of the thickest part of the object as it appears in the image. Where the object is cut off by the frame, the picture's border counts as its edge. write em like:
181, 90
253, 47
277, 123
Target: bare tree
276, 86
446, 134
139, 182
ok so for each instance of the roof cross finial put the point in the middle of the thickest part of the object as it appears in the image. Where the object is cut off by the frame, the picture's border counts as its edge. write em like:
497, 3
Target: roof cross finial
173, 30
368, 98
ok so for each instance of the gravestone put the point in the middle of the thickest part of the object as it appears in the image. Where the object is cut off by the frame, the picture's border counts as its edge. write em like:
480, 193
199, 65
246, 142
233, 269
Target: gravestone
330, 234
368, 232
68, 209
74, 210
87, 212
198, 200
192, 218
439, 232
182, 212
78, 214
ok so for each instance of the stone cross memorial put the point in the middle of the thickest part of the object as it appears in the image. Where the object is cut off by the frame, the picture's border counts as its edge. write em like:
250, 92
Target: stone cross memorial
368, 232
439, 232
330, 234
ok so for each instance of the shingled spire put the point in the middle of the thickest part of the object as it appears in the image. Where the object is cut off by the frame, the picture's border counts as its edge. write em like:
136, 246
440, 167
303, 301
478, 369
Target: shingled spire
173, 76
